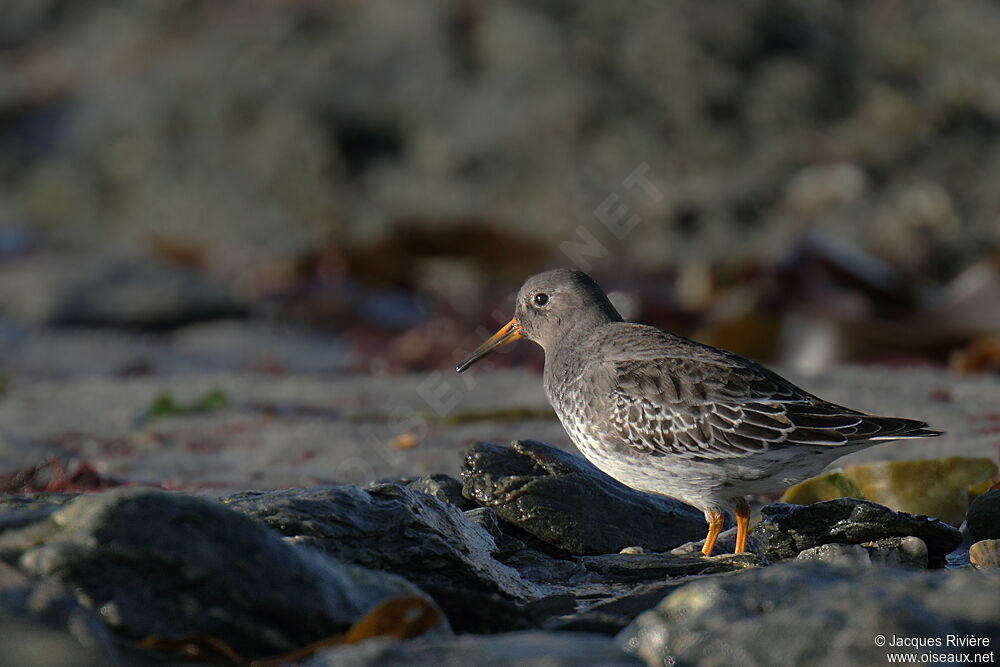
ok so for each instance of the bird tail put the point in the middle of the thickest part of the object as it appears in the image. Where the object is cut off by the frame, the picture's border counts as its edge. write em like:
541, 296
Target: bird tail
897, 428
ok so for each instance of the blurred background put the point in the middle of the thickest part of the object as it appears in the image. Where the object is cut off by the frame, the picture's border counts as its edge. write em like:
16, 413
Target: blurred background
801, 182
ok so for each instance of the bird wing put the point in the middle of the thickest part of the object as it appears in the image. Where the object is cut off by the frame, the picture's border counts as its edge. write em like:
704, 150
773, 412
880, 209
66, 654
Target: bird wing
722, 406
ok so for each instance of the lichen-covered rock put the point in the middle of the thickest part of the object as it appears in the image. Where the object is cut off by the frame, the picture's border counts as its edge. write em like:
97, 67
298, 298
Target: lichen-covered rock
785, 530
985, 554
563, 500
933, 487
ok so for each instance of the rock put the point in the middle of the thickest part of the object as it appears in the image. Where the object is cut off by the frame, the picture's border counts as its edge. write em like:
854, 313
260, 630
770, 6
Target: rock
22, 509
785, 530
111, 290
611, 589
934, 487
539, 567
650, 567
42, 623
908, 551
985, 554
151, 562
809, 613
535, 648
565, 501
724, 545
507, 545
27, 641
394, 528
443, 487
611, 613
983, 517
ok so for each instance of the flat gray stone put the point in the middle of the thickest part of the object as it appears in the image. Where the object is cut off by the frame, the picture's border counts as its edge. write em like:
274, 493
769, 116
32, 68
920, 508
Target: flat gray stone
654, 566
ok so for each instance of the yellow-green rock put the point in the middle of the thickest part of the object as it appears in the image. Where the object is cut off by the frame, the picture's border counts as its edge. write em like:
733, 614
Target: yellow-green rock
985, 554
935, 487
829, 485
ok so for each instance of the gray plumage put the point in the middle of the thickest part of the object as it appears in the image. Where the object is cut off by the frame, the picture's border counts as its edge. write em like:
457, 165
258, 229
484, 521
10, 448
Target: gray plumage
668, 415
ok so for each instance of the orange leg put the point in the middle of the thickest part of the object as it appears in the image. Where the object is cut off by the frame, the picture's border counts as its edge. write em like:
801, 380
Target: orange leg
742, 524
715, 520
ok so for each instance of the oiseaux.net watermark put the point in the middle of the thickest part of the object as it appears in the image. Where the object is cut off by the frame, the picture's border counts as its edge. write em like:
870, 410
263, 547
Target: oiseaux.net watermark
944, 649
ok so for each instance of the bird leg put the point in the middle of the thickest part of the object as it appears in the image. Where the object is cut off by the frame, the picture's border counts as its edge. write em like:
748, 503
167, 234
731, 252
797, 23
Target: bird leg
742, 513
715, 520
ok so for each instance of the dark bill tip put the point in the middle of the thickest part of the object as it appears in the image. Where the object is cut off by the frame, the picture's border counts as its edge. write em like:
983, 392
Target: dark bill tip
508, 334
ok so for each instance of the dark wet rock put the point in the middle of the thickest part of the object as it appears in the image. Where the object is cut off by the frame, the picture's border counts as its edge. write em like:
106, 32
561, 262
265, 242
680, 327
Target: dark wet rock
618, 587
507, 544
609, 590
809, 613
541, 568
394, 528
443, 487
534, 648
151, 562
652, 566
110, 290
388, 527
905, 551
611, 613
562, 499
785, 530
983, 517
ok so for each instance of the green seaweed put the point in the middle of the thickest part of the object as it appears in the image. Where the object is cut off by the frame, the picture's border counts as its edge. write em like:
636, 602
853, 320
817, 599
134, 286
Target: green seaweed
839, 481
165, 405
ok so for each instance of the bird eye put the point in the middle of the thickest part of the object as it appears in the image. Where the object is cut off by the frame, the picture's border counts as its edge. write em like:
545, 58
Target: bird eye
541, 299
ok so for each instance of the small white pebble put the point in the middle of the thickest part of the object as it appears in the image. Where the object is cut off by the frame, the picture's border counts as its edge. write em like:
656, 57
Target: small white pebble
632, 550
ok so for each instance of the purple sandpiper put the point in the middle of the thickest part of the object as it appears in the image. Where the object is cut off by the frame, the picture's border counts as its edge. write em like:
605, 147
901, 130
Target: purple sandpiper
671, 416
